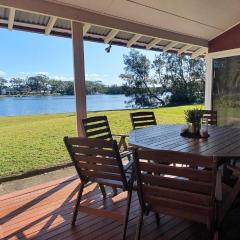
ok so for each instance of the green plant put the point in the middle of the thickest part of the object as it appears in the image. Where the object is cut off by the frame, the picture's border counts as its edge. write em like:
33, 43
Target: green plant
193, 115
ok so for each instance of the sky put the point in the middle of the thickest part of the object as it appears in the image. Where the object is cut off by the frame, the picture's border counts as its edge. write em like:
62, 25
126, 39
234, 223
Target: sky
24, 54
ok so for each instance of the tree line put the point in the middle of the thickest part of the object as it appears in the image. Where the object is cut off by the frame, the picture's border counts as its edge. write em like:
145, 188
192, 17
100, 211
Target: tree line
169, 79
43, 85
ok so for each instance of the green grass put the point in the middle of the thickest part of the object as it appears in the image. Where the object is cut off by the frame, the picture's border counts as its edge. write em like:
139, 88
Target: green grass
36, 141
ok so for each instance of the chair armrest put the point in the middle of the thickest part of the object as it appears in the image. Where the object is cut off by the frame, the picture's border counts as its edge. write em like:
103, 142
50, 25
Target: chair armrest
236, 170
120, 135
125, 153
122, 142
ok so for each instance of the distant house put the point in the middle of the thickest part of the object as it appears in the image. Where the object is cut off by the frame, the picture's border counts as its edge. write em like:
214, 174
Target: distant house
10, 91
3, 91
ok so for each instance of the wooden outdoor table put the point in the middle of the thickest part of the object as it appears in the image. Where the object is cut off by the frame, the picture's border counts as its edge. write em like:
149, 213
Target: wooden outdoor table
223, 141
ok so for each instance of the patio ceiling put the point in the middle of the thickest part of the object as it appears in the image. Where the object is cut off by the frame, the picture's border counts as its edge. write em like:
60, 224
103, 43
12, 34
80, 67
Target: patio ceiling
203, 19
112, 21
183, 26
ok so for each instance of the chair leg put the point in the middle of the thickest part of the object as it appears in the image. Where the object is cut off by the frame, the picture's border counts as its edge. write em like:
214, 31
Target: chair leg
139, 227
234, 161
157, 218
115, 192
215, 236
77, 204
129, 198
102, 190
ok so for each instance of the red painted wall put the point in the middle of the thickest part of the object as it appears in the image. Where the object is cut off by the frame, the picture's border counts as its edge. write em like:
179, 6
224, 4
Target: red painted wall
228, 40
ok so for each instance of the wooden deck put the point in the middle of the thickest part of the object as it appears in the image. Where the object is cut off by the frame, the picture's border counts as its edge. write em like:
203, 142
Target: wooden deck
45, 211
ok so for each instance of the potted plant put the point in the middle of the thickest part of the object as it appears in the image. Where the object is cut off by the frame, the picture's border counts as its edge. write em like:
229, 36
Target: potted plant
193, 118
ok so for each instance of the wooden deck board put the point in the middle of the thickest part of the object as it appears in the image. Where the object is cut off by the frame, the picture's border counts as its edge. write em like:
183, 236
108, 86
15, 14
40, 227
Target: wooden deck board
44, 212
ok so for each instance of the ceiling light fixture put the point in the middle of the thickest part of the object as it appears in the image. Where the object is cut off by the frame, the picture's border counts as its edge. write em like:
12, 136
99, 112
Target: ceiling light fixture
108, 49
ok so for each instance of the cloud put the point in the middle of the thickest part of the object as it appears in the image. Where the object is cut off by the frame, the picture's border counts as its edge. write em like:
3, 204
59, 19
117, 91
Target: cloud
24, 73
62, 78
2, 73
104, 78
95, 77
56, 77
42, 73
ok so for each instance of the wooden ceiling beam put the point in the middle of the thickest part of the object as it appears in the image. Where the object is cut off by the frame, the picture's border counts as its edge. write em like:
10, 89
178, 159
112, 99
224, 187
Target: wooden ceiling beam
184, 49
133, 40
86, 27
50, 25
81, 15
169, 46
111, 35
199, 52
11, 17
153, 43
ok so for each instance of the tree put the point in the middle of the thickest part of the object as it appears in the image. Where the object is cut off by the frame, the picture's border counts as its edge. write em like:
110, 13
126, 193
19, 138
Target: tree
68, 88
170, 79
114, 89
17, 84
38, 83
56, 86
138, 83
184, 77
93, 87
3, 83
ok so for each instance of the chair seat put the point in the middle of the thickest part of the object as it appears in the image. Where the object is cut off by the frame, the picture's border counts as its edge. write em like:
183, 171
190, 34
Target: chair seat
126, 153
111, 183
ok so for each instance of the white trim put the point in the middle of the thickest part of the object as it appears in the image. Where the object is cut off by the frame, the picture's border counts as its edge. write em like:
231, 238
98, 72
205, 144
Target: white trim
208, 83
209, 73
226, 53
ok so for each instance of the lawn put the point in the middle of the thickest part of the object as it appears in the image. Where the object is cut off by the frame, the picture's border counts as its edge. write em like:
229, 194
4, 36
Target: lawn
36, 141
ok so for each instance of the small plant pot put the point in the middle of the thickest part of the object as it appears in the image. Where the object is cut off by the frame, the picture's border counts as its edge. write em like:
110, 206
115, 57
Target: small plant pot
194, 128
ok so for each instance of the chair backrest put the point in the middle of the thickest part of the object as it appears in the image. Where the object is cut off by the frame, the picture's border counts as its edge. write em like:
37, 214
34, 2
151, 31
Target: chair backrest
187, 191
97, 160
97, 127
142, 119
210, 117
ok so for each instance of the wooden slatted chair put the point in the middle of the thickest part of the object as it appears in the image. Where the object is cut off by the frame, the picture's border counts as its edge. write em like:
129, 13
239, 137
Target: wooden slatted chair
99, 161
232, 185
142, 119
184, 192
210, 117
98, 127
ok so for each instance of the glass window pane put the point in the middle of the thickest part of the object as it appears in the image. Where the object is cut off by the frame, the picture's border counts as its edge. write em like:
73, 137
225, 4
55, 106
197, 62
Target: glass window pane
226, 90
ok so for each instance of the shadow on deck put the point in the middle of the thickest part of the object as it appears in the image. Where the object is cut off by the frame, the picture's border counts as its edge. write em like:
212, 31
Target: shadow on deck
45, 212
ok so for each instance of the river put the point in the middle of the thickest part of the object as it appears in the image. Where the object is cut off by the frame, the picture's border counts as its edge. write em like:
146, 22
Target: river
15, 106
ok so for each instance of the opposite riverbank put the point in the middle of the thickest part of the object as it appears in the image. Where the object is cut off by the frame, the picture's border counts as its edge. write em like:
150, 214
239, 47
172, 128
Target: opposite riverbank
36, 141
